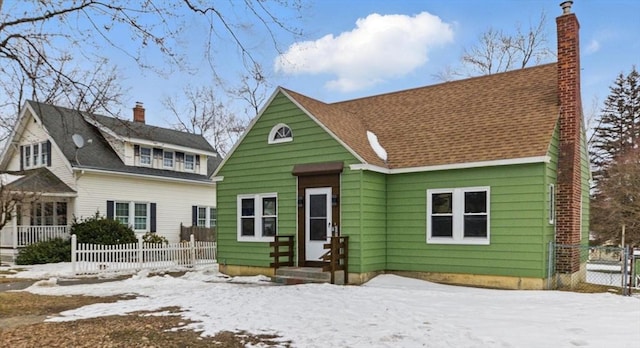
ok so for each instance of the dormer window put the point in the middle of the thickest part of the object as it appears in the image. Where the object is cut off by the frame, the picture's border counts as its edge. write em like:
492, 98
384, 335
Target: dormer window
167, 159
189, 162
280, 133
145, 156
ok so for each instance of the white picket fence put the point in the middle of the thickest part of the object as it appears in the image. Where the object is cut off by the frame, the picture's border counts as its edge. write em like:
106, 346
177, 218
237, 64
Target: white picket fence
125, 258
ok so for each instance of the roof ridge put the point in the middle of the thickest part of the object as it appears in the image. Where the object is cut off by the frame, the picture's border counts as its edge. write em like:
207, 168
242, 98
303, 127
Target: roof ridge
120, 119
464, 80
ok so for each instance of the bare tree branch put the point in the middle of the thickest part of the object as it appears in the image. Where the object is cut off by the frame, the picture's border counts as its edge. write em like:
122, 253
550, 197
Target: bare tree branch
497, 51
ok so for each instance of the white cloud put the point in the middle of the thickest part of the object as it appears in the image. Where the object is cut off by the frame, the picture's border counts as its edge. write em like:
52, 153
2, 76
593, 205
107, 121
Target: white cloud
593, 47
378, 48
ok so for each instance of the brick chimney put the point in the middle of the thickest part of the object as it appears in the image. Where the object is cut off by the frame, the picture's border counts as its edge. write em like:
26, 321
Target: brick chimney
569, 170
138, 113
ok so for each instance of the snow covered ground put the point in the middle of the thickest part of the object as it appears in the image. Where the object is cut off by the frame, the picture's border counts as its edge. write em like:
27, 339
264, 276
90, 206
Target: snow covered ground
388, 311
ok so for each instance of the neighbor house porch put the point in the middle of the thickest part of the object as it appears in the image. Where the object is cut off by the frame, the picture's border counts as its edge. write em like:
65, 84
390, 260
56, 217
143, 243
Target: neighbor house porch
41, 208
34, 222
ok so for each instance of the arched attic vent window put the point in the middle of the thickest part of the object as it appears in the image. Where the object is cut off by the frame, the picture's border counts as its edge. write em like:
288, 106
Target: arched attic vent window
280, 133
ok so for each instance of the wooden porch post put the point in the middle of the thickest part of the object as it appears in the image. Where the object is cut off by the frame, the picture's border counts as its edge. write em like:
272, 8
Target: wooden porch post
14, 233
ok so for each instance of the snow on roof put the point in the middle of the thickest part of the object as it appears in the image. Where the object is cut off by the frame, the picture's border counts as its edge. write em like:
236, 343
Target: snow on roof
375, 145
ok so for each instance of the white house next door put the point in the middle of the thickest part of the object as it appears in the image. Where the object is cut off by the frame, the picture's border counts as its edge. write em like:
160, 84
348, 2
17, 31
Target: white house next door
317, 221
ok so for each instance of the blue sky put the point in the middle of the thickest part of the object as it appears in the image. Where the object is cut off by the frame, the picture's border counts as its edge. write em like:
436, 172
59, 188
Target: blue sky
345, 52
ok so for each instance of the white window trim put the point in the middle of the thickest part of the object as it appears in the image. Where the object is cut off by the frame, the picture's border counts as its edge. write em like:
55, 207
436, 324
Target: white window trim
257, 206
207, 217
193, 162
458, 217
33, 160
552, 204
132, 215
272, 134
150, 157
173, 159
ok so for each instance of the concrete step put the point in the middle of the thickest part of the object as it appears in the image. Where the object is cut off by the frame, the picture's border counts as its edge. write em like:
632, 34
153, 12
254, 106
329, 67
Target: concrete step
303, 275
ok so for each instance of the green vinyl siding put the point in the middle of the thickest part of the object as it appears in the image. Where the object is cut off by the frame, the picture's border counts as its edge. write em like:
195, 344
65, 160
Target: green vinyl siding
551, 177
258, 167
586, 187
517, 222
373, 221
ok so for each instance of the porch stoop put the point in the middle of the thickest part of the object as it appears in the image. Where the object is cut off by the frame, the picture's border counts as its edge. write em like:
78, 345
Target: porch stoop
304, 275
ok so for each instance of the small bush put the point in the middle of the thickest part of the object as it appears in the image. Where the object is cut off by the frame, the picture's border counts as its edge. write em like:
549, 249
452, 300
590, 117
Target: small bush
100, 230
151, 237
50, 251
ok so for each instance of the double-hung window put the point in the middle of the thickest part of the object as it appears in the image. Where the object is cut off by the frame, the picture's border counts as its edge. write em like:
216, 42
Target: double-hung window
189, 162
206, 216
145, 156
458, 216
122, 212
134, 214
140, 216
27, 156
257, 217
36, 155
167, 159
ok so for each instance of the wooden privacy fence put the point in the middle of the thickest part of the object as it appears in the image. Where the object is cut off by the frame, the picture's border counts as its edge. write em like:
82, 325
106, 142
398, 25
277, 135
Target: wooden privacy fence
201, 233
99, 259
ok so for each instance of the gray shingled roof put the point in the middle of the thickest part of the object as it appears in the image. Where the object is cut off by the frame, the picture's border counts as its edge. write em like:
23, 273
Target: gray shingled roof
61, 123
39, 180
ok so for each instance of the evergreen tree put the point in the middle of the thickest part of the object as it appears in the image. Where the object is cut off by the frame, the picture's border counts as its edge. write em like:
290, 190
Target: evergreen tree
618, 129
615, 153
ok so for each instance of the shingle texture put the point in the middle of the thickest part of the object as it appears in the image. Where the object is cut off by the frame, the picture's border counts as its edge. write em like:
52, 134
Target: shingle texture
61, 123
496, 117
39, 180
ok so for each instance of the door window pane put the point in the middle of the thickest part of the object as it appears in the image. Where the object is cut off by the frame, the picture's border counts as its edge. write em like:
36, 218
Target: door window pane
318, 229
317, 205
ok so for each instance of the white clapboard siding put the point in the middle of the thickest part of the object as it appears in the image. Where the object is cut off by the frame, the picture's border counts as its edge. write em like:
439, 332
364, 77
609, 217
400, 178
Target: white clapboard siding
173, 199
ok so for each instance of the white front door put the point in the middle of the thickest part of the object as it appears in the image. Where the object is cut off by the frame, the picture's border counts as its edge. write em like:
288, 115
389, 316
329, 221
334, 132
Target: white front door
317, 221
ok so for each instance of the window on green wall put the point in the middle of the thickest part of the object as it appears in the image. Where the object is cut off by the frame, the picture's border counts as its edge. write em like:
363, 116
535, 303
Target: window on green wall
280, 133
552, 204
257, 217
458, 216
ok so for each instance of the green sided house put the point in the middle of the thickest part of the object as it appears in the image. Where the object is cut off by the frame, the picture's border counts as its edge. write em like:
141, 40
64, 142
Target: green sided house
465, 182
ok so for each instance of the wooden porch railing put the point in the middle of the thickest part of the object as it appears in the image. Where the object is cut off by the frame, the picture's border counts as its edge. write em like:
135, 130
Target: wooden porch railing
337, 257
22, 235
279, 243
